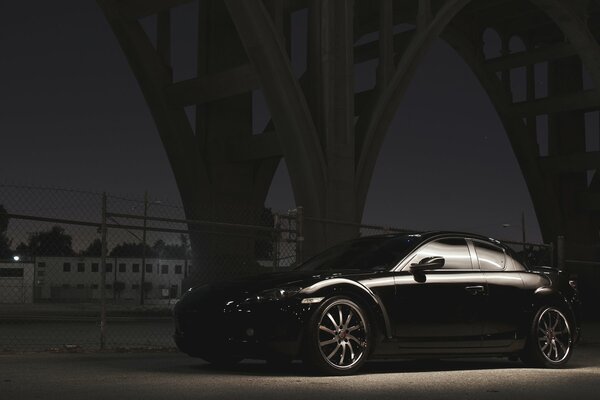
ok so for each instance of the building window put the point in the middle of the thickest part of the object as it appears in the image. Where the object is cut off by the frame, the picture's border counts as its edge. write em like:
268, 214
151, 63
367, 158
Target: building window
135, 268
164, 269
174, 290
148, 268
66, 286
94, 267
41, 265
67, 267
41, 273
80, 267
80, 286
122, 267
94, 286
135, 286
178, 269
108, 286
109, 267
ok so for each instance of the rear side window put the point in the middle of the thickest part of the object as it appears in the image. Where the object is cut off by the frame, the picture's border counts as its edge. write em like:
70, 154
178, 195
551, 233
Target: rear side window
491, 258
454, 250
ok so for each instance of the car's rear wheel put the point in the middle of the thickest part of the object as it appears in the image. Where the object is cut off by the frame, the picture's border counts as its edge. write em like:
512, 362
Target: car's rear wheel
338, 337
550, 341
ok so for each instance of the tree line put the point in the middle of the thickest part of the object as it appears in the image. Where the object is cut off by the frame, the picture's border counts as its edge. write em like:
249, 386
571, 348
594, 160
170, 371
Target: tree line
57, 242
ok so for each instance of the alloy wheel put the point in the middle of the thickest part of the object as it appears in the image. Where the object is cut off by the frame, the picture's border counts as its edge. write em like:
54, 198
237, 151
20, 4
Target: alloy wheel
554, 335
342, 337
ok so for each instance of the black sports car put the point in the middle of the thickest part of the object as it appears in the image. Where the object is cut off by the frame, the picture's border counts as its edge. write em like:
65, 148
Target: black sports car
393, 296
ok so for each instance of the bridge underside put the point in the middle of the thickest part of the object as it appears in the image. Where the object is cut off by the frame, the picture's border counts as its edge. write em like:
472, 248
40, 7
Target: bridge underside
328, 133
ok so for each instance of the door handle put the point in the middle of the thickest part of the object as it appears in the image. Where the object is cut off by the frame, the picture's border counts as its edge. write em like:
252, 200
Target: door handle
474, 290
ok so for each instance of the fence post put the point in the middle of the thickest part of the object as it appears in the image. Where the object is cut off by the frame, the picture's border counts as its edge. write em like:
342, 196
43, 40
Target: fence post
560, 252
103, 276
276, 236
299, 233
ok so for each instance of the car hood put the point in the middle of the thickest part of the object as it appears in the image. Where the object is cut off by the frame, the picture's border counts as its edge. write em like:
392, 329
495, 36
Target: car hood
256, 283
241, 288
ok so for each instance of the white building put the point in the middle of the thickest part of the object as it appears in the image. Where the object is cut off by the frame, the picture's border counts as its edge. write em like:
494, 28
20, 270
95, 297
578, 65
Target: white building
16, 282
78, 278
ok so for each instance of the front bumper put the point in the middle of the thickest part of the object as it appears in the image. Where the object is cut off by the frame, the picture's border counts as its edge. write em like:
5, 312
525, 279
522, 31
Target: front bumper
241, 330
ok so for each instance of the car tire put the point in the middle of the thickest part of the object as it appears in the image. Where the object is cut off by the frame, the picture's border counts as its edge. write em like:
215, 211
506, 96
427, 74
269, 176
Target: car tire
338, 337
550, 340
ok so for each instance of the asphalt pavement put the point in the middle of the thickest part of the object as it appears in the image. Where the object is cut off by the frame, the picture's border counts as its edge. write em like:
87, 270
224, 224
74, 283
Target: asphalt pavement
171, 375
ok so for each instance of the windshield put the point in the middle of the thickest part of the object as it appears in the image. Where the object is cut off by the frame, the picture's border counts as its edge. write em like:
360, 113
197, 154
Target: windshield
378, 253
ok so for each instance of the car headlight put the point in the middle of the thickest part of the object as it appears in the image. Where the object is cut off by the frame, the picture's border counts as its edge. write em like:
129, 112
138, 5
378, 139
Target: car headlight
273, 295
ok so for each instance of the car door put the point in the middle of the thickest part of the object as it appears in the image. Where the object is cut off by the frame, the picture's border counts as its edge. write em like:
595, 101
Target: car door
504, 306
444, 310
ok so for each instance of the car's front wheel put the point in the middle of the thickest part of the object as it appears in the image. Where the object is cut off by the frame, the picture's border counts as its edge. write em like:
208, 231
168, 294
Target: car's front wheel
338, 337
550, 341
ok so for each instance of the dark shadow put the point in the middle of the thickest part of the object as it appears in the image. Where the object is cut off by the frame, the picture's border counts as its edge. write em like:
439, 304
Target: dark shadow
372, 367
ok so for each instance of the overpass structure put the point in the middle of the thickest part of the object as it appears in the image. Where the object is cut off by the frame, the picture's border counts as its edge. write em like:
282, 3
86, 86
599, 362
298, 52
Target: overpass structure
328, 133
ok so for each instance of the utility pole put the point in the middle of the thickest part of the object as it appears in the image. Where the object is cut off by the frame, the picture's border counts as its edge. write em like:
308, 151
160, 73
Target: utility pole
142, 282
523, 228
103, 276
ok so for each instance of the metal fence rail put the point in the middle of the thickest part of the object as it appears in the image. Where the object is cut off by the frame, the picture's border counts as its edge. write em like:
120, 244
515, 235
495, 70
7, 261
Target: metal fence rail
86, 270
99, 271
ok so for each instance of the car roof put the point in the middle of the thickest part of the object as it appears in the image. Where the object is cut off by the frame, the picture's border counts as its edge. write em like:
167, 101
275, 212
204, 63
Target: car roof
427, 235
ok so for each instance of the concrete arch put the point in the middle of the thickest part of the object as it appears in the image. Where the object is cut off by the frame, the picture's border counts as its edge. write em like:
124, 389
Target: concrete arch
571, 23
290, 112
372, 127
523, 144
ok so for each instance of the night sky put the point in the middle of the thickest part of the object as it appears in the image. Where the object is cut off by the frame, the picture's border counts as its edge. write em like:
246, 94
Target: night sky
73, 116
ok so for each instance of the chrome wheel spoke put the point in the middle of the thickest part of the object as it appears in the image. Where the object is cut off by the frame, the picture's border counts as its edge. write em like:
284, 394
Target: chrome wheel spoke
352, 356
335, 325
327, 342
350, 315
343, 353
333, 352
353, 328
558, 319
341, 316
326, 329
354, 339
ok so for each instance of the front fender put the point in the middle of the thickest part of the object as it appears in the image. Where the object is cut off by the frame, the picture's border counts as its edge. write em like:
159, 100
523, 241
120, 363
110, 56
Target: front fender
348, 287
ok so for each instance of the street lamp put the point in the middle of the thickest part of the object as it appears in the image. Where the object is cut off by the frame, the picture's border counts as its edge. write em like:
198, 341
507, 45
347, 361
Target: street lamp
522, 226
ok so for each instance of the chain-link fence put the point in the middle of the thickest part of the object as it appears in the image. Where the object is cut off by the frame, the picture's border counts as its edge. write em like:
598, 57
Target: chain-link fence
84, 270
88, 270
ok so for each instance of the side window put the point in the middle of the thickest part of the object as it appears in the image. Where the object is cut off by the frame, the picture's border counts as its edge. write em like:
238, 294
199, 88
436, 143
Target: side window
491, 258
454, 250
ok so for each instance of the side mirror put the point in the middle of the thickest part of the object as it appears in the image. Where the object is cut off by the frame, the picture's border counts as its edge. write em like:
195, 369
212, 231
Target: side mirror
427, 264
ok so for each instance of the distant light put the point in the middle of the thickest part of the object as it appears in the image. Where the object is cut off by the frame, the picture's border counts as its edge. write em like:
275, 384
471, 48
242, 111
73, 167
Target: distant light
16, 258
